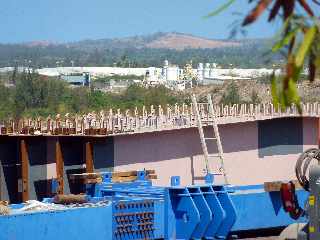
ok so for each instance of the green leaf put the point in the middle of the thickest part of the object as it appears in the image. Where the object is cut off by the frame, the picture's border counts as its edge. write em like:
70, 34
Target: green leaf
317, 21
296, 73
285, 40
220, 9
284, 27
317, 62
292, 94
305, 46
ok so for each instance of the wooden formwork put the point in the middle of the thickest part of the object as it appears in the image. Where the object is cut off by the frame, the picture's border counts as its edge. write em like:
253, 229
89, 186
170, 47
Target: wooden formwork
126, 176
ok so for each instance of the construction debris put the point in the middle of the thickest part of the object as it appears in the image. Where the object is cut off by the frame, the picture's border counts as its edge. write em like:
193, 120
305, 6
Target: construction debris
127, 176
4, 209
70, 199
34, 205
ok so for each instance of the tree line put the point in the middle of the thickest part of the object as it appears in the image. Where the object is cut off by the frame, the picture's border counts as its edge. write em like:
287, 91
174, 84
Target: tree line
31, 94
61, 55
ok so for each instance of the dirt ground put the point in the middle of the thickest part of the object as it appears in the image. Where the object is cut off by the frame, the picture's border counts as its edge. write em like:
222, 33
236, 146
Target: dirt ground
309, 92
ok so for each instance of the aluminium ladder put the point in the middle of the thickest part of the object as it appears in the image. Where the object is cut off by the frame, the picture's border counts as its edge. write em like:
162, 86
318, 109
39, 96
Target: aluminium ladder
210, 120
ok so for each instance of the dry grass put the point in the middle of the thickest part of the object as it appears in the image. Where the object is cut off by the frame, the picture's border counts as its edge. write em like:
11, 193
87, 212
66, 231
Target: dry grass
309, 92
181, 41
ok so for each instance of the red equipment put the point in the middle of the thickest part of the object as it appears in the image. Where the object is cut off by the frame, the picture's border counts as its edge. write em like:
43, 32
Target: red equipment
289, 200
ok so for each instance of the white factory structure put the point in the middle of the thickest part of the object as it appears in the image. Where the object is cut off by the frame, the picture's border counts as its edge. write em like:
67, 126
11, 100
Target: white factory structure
170, 75
178, 78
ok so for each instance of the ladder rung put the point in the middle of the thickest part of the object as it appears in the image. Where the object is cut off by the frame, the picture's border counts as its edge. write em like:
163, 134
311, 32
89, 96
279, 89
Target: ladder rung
213, 155
210, 138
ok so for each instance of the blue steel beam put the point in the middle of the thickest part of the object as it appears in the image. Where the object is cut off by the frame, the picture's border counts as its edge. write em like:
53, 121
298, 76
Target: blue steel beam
217, 210
204, 211
257, 209
229, 208
185, 214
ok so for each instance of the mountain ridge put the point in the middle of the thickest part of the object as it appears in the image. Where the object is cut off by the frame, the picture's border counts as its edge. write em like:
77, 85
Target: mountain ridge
160, 40
137, 51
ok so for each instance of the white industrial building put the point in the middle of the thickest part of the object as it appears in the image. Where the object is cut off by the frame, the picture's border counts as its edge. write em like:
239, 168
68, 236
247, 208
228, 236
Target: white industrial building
172, 76
176, 78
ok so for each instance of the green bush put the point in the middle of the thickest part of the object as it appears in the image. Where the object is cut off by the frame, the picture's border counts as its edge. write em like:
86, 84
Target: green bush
35, 95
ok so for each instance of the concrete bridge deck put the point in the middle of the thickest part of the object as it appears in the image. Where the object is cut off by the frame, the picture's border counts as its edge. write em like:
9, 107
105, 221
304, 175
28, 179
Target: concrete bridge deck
260, 143
174, 117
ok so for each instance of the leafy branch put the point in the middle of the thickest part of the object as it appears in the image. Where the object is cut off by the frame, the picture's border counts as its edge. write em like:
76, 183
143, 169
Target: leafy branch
299, 38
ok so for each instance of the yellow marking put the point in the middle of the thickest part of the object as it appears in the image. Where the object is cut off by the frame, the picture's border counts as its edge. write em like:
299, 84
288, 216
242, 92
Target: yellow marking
311, 200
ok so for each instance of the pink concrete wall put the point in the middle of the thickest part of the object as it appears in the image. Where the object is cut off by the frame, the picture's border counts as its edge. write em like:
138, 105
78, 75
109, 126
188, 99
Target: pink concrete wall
179, 152
169, 152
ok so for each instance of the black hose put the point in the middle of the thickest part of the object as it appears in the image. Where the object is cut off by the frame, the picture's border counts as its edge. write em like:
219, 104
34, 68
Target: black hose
302, 166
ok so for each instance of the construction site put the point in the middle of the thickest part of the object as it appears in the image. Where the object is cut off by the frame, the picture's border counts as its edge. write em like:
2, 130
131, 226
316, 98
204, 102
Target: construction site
240, 154
171, 120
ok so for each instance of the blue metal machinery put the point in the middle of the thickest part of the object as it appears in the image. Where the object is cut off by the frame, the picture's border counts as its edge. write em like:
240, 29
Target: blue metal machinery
134, 210
257, 209
138, 210
176, 212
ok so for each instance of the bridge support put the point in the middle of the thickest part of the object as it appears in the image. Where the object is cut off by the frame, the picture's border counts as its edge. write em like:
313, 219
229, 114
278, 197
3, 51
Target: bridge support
59, 167
89, 157
24, 158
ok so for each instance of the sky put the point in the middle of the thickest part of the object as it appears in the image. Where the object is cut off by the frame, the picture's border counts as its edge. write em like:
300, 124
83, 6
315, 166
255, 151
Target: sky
73, 20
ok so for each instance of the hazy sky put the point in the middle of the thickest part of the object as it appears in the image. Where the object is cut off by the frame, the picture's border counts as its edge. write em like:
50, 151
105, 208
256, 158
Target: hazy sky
71, 20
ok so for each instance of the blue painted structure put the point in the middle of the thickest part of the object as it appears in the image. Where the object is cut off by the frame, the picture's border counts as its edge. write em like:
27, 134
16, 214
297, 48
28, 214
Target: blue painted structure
79, 223
138, 210
257, 209
134, 210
